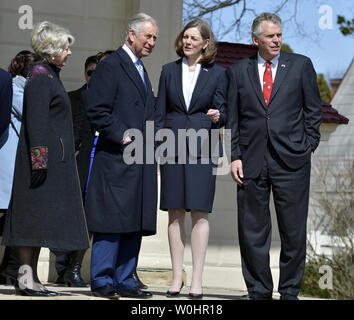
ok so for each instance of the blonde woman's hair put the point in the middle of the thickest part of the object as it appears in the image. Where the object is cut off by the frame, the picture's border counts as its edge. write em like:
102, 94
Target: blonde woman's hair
49, 39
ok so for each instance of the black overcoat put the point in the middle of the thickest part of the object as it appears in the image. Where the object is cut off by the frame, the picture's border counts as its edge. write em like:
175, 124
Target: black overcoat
83, 134
121, 198
51, 215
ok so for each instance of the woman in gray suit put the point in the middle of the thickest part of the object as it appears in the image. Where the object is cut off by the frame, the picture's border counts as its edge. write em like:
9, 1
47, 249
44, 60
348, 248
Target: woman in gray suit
192, 95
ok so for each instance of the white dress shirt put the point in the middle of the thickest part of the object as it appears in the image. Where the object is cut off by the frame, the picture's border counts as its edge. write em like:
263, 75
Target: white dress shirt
262, 66
130, 53
189, 79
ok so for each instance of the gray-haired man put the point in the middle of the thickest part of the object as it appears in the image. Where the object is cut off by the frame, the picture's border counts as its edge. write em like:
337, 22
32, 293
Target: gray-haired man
121, 199
274, 113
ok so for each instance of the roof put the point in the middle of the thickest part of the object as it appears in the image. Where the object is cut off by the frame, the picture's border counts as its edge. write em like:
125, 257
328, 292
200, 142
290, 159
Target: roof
229, 53
331, 115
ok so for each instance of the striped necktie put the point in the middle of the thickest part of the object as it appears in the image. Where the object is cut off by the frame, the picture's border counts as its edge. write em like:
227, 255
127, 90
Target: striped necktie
140, 67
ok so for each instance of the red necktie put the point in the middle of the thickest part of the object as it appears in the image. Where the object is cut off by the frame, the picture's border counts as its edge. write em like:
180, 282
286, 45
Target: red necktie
267, 82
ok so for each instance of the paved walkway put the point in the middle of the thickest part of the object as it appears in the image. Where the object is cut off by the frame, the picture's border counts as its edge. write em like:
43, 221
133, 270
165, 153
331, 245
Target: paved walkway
8, 293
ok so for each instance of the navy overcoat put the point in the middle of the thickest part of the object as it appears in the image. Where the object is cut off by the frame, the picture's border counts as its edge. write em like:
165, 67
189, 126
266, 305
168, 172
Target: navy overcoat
121, 197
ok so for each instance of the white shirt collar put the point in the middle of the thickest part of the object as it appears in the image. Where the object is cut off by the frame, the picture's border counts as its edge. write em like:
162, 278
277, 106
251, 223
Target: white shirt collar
130, 53
188, 82
274, 61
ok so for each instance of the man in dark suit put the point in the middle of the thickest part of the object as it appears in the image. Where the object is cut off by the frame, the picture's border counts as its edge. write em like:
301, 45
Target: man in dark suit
5, 100
121, 201
274, 116
76, 105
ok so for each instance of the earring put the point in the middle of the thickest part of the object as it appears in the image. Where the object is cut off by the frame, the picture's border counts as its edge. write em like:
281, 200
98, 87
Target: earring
53, 58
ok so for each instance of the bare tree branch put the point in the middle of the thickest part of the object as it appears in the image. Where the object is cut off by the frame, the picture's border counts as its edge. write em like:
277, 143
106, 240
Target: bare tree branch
206, 7
217, 13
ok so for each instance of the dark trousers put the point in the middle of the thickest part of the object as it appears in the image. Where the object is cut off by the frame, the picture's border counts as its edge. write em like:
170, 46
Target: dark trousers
113, 259
291, 196
64, 259
10, 262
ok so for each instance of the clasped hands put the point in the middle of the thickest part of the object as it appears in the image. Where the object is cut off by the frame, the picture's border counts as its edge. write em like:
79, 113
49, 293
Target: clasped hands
214, 115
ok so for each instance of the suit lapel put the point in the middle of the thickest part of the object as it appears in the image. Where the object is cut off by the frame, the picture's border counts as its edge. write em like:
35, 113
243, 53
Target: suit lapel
282, 70
178, 80
132, 72
149, 95
254, 77
200, 84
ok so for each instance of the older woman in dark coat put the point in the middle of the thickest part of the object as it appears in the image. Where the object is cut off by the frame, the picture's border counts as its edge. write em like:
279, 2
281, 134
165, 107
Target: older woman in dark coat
46, 207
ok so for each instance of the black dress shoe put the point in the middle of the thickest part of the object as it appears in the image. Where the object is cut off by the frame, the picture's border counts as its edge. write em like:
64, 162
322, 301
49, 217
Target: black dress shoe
60, 279
51, 293
138, 282
195, 295
107, 291
288, 297
174, 294
135, 293
257, 296
72, 276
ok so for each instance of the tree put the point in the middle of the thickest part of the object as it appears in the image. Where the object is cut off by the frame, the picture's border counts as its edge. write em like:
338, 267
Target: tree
285, 47
331, 230
325, 92
217, 13
346, 26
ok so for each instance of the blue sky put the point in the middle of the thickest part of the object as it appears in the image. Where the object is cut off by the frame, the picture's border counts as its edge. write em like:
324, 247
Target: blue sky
330, 51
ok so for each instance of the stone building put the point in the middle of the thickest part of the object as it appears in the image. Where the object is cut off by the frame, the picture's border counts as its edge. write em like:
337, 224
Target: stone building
100, 25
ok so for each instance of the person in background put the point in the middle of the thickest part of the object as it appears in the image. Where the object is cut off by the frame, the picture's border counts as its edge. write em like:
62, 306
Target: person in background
5, 101
121, 201
46, 207
68, 264
192, 95
79, 115
18, 69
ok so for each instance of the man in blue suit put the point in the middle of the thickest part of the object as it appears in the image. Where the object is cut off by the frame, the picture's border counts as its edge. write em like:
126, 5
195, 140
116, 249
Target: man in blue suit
121, 199
5, 100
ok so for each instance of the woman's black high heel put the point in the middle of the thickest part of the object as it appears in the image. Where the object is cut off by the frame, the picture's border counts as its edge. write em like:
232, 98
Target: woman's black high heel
195, 295
33, 293
174, 294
